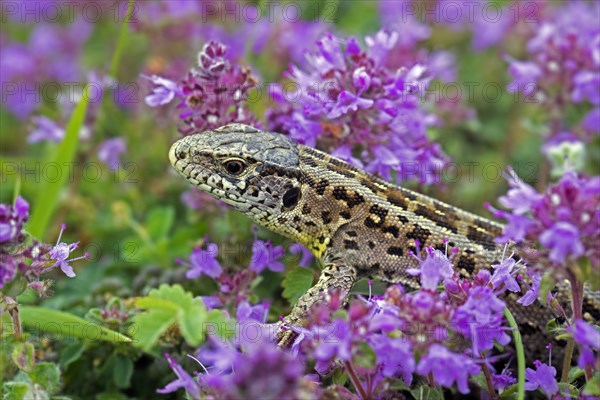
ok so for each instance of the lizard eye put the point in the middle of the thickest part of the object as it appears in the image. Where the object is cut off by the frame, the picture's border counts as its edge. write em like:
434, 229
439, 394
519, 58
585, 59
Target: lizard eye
235, 167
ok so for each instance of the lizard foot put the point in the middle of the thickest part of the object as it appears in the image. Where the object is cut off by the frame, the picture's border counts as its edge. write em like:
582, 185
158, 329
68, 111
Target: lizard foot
285, 336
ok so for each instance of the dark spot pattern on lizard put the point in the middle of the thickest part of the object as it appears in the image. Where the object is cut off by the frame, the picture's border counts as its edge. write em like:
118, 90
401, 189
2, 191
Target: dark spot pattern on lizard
306, 209
467, 263
326, 216
418, 233
395, 251
350, 244
322, 185
482, 238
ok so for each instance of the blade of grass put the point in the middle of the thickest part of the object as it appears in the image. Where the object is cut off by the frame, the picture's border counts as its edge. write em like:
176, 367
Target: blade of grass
65, 325
65, 153
17, 191
520, 353
116, 59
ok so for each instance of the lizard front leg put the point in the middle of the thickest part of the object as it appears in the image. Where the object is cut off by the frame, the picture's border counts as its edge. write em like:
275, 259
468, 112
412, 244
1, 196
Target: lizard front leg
336, 275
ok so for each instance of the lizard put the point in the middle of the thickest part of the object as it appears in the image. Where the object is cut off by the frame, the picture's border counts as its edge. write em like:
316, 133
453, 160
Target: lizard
356, 224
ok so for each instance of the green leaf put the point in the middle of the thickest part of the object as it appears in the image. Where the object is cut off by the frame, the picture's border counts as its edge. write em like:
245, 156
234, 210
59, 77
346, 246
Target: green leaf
546, 286
71, 353
565, 388
147, 328
366, 356
46, 375
15, 390
23, 356
339, 377
425, 392
296, 283
123, 369
217, 322
479, 380
159, 222
510, 392
593, 386
191, 322
65, 325
166, 306
65, 154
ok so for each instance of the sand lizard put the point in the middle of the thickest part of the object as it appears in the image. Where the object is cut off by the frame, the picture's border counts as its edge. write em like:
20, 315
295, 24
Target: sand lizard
358, 225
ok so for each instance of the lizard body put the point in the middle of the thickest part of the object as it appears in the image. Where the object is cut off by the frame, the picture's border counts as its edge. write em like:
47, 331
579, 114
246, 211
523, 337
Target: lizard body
358, 225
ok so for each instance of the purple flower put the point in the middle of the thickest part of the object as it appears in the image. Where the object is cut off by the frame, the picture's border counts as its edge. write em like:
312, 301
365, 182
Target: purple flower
588, 338
52, 54
336, 345
110, 151
520, 197
163, 92
184, 380
525, 75
264, 255
384, 161
262, 371
60, 254
306, 257
480, 319
369, 103
330, 50
204, 262
394, 356
564, 219
489, 32
246, 312
563, 240
8, 269
396, 18
591, 122
542, 377
563, 53
585, 334
212, 94
348, 102
504, 275
211, 302
503, 380
12, 219
46, 130
533, 292
586, 86
345, 153
442, 364
433, 268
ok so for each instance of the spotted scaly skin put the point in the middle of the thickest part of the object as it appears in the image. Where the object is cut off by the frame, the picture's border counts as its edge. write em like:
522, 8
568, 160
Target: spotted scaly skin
357, 225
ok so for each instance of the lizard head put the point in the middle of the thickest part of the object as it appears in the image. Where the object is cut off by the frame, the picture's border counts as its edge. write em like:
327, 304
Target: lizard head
256, 172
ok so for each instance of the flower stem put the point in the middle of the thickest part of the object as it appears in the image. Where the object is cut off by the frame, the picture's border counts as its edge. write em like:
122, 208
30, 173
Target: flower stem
488, 380
355, 380
520, 354
567, 360
577, 306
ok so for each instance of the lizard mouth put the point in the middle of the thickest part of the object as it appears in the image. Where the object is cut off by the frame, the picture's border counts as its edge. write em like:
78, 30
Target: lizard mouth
172, 157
